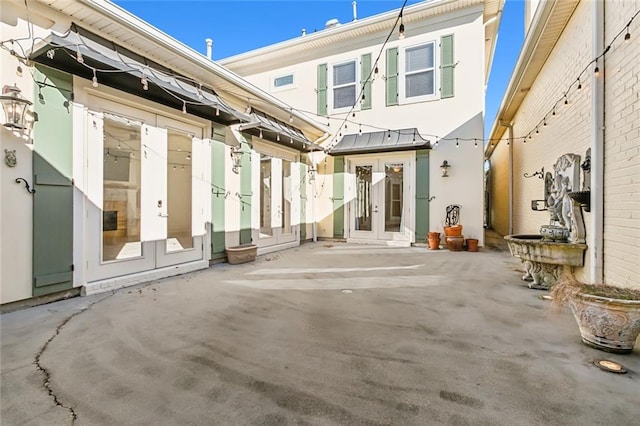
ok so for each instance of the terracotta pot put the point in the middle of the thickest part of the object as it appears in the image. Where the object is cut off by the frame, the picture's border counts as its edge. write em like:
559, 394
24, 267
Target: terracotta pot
454, 243
434, 243
434, 235
611, 325
472, 244
453, 231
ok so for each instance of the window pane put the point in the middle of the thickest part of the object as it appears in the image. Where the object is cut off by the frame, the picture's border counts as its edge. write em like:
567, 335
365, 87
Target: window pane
344, 74
283, 81
363, 213
419, 58
121, 186
393, 197
265, 196
178, 191
344, 96
419, 84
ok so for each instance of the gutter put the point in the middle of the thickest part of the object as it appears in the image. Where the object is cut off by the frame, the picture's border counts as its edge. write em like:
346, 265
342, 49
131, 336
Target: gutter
596, 246
510, 190
137, 25
497, 19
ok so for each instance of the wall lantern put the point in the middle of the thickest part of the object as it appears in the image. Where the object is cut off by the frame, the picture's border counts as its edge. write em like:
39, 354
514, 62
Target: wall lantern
312, 173
15, 107
445, 168
236, 156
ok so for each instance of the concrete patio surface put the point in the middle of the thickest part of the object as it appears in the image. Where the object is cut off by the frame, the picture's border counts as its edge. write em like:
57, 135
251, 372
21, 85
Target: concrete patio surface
420, 338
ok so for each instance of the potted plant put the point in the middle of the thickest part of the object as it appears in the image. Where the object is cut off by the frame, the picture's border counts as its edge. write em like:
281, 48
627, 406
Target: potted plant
242, 254
608, 316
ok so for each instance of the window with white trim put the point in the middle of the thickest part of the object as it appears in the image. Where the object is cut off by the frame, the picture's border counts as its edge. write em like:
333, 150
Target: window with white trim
344, 88
419, 71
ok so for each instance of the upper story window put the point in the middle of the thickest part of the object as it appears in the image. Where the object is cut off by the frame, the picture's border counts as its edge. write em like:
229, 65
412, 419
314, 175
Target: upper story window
281, 82
344, 85
419, 72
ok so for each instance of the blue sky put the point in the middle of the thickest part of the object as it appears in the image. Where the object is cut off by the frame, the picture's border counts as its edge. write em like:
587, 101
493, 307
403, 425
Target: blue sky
238, 26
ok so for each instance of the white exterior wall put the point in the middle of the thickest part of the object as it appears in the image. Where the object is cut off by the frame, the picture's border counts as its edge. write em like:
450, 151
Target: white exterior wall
622, 149
570, 131
16, 205
460, 116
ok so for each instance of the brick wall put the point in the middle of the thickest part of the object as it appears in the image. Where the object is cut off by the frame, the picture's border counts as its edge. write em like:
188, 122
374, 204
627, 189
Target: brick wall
622, 148
499, 188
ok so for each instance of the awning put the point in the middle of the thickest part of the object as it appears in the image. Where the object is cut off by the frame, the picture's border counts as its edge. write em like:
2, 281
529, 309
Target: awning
382, 141
125, 70
270, 128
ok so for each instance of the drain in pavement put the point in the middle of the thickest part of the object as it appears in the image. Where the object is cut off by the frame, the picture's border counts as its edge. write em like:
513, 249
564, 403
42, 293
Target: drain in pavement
610, 366
347, 291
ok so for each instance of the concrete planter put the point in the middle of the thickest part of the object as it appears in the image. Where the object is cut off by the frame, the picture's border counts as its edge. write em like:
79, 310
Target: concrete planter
242, 254
611, 325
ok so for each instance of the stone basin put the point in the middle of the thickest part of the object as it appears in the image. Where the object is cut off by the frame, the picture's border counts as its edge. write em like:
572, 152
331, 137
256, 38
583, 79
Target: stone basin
543, 259
531, 247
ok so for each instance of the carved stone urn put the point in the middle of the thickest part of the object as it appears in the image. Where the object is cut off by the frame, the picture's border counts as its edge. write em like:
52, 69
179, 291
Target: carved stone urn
608, 324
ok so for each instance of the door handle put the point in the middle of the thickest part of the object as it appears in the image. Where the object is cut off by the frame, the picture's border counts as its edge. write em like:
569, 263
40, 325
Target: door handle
162, 215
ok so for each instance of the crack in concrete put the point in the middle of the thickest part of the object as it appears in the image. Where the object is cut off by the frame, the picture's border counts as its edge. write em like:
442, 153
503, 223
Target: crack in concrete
46, 383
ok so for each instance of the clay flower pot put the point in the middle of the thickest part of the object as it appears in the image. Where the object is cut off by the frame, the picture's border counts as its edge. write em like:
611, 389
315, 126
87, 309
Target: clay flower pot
433, 234
242, 254
453, 230
472, 244
454, 243
434, 243
608, 324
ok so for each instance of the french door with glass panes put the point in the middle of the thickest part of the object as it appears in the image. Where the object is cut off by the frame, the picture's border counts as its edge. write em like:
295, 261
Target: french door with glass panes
146, 176
279, 194
379, 199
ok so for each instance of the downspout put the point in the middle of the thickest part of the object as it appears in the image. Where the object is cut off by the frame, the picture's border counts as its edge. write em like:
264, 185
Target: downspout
596, 245
510, 144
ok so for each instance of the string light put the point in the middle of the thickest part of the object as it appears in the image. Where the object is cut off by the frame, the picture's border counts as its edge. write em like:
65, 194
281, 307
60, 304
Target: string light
475, 143
278, 137
95, 79
260, 135
184, 107
596, 71
290, 118
566, 101
627, 36
579, 84
217, 112
79, 57
19, 71
401, 29
457, 143
188, 156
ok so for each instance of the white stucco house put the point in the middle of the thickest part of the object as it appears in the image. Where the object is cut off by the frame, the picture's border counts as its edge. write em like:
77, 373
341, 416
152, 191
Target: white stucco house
141, 162
402, 92
575, 90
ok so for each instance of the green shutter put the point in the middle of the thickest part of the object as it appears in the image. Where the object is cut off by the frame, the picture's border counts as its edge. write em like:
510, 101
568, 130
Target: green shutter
245, 190
217, 199
447, 66
338, 197
365, 72
303, 201
422, 195
322, 89
392, 77
52, 172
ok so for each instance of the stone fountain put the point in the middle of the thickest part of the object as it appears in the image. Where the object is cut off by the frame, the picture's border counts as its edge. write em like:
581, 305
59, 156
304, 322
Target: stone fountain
561, 243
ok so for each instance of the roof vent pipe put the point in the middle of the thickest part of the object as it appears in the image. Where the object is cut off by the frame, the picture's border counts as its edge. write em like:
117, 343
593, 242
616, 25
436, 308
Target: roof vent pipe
209, 47
332, 23
355, 10
304, 32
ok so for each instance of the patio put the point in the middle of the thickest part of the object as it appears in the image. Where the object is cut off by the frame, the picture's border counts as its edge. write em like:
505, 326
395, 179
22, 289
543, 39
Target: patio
326, 333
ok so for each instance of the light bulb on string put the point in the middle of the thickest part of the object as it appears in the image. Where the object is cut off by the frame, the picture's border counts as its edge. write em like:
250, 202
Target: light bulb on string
95, 79
19, 71
579, 84
290, 118
437, 141
360, 129
537, 131
389, 135
554, 111
217, 112
174, 167
188, 156
475, 143
401, 28
290, 140
544, 122
566, 101
144, 82
79, 57
115, 158
414, 136
278, 137
457, 143
627, 36
596, 71
183, 167
260, 134
184, 107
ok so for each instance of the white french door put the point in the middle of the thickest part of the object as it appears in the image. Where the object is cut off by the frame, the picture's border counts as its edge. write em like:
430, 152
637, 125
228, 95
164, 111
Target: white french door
279, 195
379, 199
147, 186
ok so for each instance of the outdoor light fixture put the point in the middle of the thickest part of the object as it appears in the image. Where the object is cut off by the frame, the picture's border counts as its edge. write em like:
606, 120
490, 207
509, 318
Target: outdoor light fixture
15, 108
312, 173
401, 29
236, 156
445, 168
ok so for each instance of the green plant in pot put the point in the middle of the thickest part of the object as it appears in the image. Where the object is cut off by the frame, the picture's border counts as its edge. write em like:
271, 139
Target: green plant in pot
608, 316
